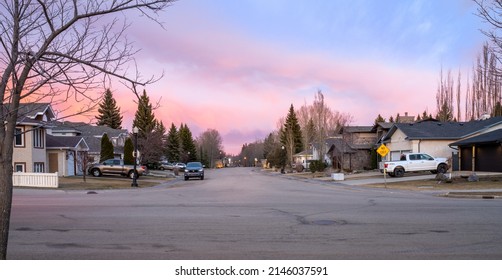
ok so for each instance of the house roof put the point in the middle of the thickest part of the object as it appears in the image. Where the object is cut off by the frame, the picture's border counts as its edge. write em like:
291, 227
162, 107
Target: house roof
307, 152
91, 133
493, 137
62, 142
357, 129
32, 113
340, 145
434, 130
383, 125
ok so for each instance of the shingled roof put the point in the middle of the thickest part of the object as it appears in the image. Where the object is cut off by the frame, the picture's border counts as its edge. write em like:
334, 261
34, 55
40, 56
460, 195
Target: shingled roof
434, 130
493, 137
56, 142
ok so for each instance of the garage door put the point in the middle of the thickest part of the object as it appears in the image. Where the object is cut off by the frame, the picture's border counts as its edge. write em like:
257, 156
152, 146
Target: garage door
489, 158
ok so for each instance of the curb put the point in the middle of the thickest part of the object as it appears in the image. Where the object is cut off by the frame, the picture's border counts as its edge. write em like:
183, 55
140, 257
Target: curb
477, 195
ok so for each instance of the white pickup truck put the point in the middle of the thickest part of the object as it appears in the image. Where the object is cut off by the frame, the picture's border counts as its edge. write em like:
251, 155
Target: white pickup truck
415, 162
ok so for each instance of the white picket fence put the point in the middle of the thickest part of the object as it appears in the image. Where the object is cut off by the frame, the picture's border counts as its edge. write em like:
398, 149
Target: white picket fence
41, 180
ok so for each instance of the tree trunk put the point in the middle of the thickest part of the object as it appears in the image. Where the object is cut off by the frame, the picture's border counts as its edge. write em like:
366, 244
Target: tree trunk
5, 203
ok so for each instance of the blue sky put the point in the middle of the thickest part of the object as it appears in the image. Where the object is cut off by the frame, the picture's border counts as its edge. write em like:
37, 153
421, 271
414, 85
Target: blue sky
236, 66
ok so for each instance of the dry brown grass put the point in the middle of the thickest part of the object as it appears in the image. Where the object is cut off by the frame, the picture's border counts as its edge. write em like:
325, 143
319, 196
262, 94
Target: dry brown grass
488, 182
109, 182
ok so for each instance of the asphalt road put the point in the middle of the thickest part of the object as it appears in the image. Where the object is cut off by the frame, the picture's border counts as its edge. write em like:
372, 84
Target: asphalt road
238, 213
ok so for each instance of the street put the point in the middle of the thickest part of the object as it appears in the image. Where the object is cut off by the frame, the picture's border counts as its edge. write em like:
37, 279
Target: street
241, 213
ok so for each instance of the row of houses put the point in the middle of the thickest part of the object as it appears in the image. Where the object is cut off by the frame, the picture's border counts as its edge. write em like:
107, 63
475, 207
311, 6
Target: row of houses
471, 146
43, 145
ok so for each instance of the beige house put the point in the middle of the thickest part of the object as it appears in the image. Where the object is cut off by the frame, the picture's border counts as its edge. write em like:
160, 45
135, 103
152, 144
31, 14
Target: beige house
37, 152
433, 137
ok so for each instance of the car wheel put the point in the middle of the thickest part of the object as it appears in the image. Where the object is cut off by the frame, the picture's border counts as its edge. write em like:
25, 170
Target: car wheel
202, 177
442, 168
399, 172
186, 178
96, 172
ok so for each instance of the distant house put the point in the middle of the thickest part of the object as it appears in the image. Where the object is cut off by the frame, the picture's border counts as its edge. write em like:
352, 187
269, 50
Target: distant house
480, 153
433, 137
351, 149
92, 135
303, 158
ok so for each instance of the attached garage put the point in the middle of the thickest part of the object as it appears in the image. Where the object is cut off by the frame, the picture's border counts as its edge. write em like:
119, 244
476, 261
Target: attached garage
481, 153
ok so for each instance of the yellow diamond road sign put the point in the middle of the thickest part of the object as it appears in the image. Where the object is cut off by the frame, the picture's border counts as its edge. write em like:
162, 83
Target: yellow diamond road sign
382, 150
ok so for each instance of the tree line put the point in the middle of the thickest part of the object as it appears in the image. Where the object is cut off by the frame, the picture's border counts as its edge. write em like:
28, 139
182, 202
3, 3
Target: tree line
155, 142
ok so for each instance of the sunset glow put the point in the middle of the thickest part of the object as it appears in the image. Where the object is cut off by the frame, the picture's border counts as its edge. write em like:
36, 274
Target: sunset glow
236, 66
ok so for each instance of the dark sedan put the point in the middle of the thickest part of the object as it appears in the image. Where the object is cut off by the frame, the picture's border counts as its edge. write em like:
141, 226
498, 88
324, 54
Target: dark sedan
194, 170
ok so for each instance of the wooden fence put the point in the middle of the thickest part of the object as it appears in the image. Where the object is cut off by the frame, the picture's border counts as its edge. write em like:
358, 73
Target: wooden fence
41, 180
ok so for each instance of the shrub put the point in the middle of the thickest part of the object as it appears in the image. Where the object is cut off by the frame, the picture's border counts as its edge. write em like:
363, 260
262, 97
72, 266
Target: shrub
317, 165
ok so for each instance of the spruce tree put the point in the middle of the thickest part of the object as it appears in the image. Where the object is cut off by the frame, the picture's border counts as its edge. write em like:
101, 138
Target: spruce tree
188, 148
106, 148
173, 144
379, 119
291, 134
144, 119
128, 151
109, 112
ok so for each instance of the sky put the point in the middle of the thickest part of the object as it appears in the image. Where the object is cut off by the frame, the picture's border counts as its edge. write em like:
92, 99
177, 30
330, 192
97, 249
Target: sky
237, 66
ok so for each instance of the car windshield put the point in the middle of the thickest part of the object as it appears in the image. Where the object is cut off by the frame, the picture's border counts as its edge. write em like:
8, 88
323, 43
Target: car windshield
194, 164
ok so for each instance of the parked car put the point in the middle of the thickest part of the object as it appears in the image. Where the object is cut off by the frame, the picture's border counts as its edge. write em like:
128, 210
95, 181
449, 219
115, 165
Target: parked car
165, 165
194, 170
416, 162
179, 165
115, 167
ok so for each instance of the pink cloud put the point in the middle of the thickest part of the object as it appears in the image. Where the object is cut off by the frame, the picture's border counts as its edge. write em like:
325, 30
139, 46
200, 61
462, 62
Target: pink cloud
217, 77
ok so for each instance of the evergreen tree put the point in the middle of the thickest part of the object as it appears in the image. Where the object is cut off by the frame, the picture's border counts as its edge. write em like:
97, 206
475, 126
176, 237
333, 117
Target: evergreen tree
109, 112
128, 151
379, 119
188, 148
106, 148
173, 144
291, 134
161, 131
425, 115
391, 119
144, 119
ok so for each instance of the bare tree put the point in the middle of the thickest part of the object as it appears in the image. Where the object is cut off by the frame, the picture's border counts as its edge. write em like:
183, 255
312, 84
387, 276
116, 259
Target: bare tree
318, 121
58, 51
210, 145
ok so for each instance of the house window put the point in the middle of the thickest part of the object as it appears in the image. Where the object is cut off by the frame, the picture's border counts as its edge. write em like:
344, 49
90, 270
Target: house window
39, 167
19, 137
19, 167
38, 138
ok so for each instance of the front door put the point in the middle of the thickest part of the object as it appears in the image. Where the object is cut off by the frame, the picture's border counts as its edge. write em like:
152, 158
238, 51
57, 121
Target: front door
53, 163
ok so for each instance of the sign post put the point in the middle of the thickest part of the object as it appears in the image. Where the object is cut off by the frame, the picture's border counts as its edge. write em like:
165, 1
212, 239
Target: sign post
383, 151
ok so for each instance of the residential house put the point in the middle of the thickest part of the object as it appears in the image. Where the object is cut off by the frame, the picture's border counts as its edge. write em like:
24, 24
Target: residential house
92, 135
35, 151
433, 137
351, 149
303, 158
29, 154
480, 153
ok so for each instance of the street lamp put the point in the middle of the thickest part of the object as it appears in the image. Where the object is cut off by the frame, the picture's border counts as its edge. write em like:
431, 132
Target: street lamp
135, 172
283, 158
